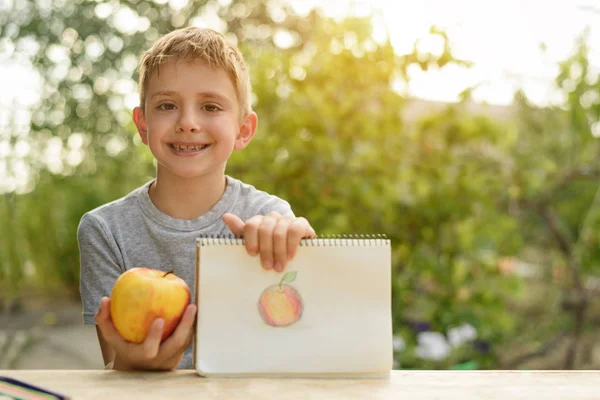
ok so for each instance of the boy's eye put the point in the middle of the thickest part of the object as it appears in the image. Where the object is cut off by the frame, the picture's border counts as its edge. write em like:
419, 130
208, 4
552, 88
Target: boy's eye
166, 107
212, 108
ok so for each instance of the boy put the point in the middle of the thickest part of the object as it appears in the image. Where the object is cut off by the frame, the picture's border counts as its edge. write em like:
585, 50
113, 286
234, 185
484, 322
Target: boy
194, 111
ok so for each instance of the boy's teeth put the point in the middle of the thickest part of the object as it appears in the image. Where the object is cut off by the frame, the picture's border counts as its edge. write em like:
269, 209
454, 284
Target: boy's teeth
187, 147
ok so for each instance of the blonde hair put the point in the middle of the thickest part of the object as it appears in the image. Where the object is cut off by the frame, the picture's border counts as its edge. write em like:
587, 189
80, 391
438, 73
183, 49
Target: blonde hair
190, 44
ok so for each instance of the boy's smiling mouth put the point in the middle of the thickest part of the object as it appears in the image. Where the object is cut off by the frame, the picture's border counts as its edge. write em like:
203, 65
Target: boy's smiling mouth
187, 149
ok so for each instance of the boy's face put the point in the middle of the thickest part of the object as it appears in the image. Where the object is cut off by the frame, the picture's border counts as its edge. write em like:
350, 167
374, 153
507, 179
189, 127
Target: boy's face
191, 120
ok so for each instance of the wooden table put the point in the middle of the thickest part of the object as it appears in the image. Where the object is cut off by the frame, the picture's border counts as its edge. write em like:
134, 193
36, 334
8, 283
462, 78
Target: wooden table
414, 385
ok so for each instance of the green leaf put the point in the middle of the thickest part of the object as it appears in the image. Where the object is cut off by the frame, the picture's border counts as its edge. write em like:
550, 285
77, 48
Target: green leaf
289, 277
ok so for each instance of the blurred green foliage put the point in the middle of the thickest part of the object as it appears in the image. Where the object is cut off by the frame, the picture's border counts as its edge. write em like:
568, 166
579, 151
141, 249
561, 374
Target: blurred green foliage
456, 191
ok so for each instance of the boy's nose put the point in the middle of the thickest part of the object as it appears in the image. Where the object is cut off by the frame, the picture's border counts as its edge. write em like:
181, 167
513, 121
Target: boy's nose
188, 123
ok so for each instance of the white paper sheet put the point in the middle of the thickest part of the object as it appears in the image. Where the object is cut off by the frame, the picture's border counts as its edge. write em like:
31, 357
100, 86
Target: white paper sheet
344, 326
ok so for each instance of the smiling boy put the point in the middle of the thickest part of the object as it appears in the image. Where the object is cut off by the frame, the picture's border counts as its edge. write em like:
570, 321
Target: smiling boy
194, 112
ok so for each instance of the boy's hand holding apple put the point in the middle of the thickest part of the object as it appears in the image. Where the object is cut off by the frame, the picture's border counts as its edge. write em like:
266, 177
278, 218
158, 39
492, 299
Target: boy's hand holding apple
148, 320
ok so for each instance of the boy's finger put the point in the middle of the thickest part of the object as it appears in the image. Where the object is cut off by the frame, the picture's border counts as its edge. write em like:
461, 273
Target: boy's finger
234, 223
310, 232
181, 337
106, 326
298, 230
101, 306
251, 234
173, 362
280, 243
151, 344
265, 240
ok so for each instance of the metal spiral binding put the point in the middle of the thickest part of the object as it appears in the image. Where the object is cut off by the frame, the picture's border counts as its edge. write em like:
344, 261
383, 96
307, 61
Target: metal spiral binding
212, 239
343, 240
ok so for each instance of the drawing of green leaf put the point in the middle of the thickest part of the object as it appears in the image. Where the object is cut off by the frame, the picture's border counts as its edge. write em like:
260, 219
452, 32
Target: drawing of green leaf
288, 277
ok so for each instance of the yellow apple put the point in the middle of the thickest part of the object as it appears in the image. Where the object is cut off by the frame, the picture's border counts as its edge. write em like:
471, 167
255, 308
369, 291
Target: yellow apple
140, 295
281, 304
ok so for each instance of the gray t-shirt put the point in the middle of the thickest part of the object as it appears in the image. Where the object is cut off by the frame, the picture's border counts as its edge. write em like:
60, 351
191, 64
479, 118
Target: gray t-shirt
132, 232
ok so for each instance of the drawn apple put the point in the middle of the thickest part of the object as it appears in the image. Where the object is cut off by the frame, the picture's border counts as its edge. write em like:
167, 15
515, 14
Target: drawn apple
281, 304
140, 295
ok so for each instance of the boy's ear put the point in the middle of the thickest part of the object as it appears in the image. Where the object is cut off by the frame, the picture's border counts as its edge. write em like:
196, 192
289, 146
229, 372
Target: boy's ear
140, 122
247, 131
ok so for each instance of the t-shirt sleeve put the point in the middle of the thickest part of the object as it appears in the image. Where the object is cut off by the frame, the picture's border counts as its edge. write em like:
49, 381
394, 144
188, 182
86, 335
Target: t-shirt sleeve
275, 204
99, 264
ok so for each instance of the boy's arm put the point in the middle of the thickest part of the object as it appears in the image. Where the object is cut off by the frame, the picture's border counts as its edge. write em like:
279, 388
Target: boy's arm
99, 269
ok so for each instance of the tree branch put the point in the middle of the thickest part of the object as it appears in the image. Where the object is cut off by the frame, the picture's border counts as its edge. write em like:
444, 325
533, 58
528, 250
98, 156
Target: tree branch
581, 301
538, 353
579, 322
564, 244
585, 172
579, 294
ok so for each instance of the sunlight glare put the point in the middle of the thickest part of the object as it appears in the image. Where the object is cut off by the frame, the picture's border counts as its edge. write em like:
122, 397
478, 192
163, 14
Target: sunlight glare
503, 38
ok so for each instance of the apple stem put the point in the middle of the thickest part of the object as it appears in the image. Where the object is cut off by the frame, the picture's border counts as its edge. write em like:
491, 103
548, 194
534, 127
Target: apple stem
289, 276
167, 273
281, 282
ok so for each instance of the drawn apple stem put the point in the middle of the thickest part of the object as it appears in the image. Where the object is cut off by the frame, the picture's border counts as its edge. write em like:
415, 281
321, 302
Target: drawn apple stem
167, 273
289, 277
